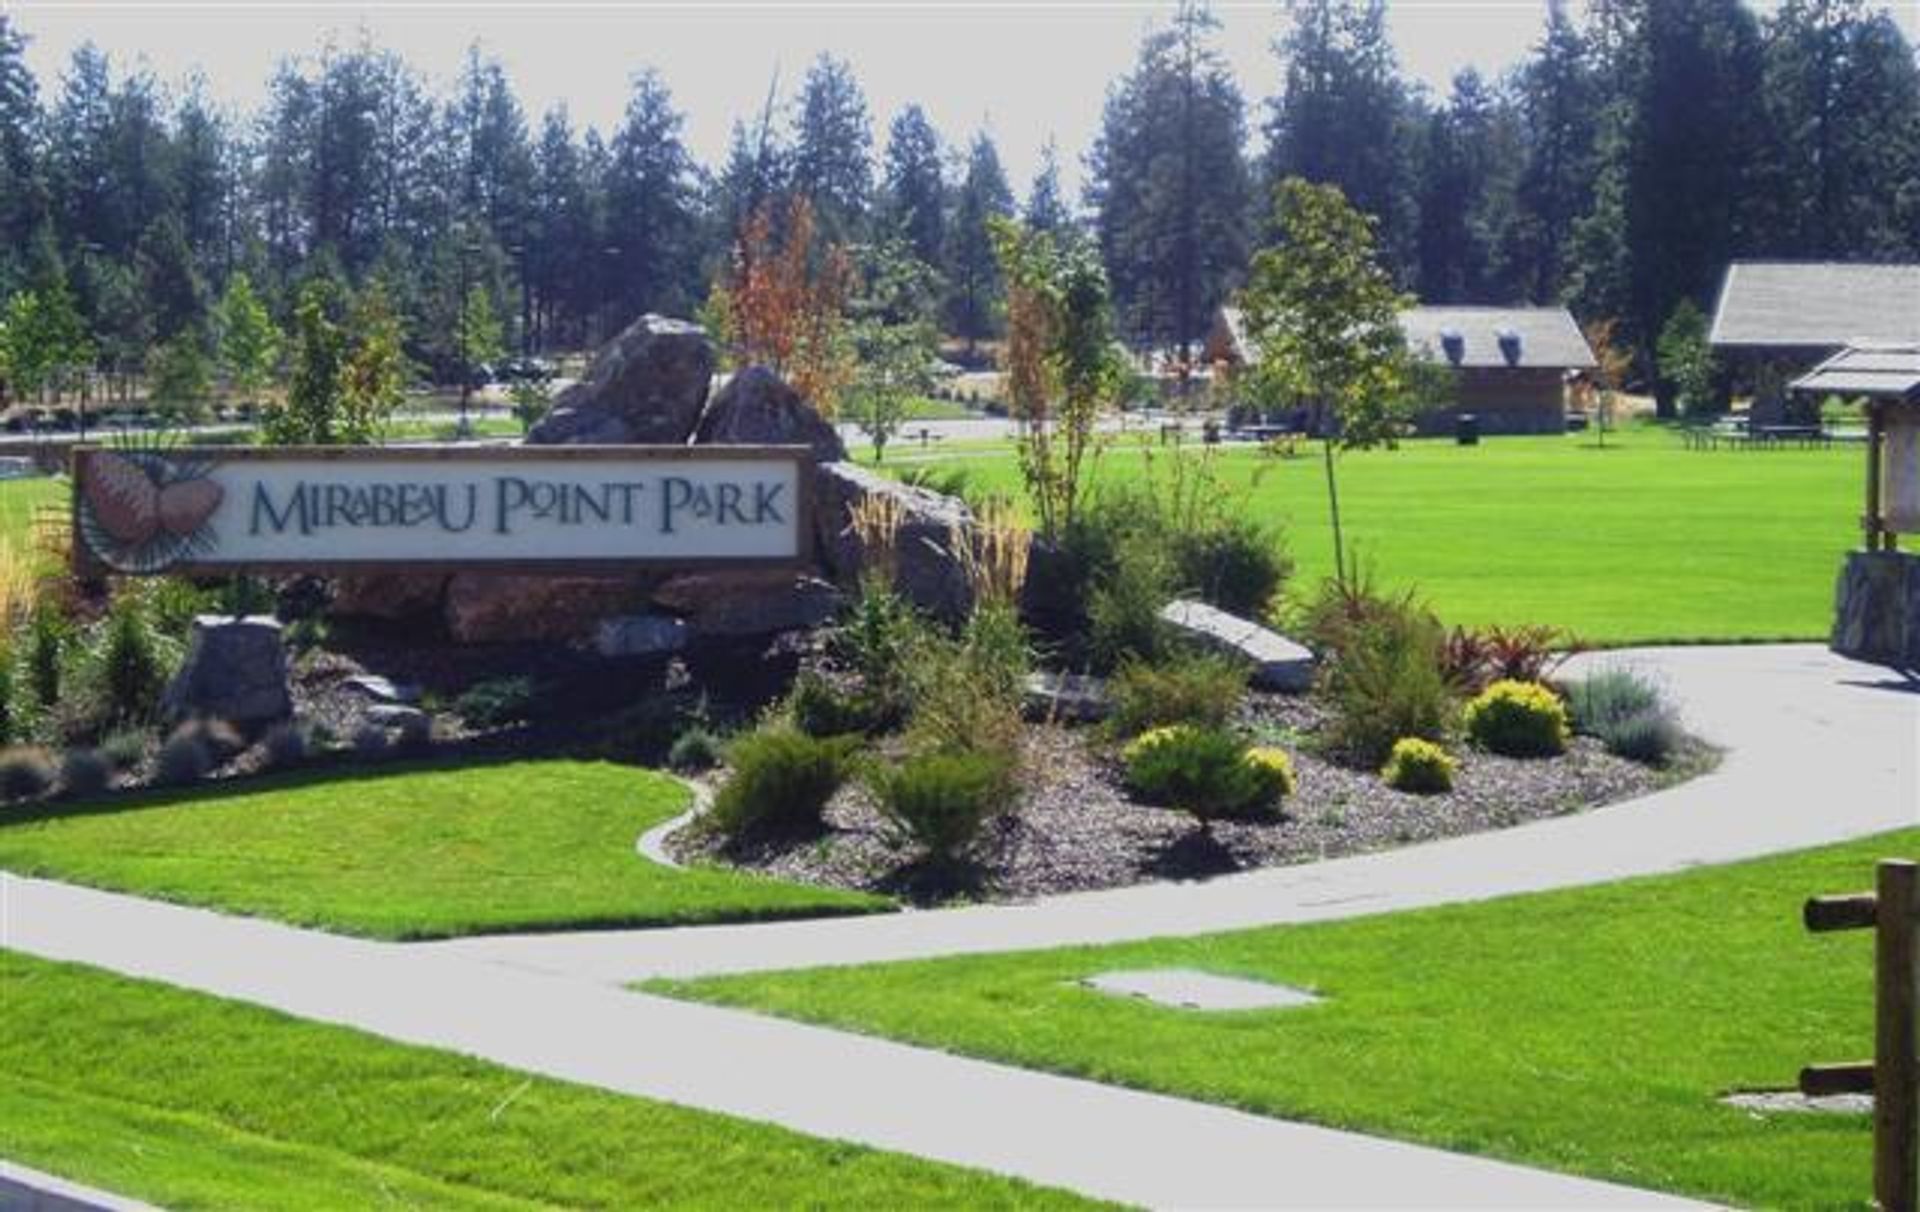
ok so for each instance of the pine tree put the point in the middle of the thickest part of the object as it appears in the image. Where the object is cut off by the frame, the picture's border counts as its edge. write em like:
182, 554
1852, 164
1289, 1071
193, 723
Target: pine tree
1046, 209
916, 190
1557, 101
22, 187
650, 221
1169, 187
832, 140
973, 274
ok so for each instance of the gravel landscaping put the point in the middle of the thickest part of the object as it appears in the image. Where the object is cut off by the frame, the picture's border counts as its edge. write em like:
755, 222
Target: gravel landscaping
1073, 826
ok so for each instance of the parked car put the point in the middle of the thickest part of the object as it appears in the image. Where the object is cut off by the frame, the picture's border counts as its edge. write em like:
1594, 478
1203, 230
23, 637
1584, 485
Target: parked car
526, 370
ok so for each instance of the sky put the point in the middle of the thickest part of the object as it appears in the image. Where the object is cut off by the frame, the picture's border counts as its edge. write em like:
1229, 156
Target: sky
1025, 72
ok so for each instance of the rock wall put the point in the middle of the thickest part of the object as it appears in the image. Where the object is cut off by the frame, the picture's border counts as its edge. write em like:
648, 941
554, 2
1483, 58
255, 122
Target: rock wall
1876, 614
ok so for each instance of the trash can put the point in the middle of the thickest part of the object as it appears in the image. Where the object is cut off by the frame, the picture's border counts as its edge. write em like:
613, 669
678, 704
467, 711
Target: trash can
1466, 429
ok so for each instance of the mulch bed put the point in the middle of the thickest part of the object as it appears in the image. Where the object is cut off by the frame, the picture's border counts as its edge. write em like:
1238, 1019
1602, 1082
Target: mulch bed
1075, 828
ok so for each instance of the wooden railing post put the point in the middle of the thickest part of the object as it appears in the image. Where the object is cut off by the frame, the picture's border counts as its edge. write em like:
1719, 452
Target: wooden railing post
1896, 1064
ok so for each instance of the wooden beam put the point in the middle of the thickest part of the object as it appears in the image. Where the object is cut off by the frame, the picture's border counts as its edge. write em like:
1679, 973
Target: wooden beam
1876, 445
1826, 913
1896, 1066
1824, 1081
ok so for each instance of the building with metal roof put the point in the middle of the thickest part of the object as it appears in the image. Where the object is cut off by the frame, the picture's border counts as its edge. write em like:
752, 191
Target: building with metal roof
1815, 307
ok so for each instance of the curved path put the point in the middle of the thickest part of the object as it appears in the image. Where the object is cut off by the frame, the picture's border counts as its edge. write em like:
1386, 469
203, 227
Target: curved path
1820, 749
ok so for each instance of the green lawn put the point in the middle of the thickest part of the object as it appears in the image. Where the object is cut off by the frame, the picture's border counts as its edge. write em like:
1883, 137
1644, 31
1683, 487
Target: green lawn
187, 1100
18, 501
1589, 1031
417, 852
1640, 542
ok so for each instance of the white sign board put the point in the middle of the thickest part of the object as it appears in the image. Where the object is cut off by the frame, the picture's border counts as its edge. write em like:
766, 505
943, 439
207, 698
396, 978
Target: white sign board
1900, 472
149, 511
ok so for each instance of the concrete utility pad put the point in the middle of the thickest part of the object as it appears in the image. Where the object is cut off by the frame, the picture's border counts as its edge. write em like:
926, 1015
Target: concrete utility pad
1187, 989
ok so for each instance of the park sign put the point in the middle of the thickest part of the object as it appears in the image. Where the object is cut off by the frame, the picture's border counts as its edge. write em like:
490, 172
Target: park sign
155, 509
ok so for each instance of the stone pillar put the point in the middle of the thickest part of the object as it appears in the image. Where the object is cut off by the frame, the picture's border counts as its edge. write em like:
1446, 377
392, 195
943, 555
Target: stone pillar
1877, 609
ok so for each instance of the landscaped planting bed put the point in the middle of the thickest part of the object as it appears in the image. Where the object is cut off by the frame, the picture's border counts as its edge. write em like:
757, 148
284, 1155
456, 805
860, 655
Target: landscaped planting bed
1073, 826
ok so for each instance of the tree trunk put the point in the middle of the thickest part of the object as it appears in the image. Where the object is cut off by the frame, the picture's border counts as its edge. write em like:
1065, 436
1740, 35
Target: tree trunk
1333, 507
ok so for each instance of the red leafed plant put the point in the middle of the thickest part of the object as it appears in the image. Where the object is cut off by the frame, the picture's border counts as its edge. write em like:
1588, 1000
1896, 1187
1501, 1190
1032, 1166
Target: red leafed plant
783, 304
1475, 658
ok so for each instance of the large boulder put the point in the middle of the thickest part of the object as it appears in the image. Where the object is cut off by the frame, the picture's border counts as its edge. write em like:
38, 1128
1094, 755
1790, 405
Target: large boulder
236, 670
927, 572
759, 408
1876, 614
648, 386
1278, 662
498, 607
745, 602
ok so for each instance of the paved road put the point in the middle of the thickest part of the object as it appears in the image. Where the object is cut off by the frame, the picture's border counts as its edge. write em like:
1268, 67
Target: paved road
1821, 749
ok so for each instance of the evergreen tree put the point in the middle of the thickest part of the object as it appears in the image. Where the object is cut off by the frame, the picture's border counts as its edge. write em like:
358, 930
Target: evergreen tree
650, 217
180, 378
1557, 96
22, 187
832, 140
1169, 187
916, 190
560, 234
249, 342
972, 271
1343, 117
1046, 209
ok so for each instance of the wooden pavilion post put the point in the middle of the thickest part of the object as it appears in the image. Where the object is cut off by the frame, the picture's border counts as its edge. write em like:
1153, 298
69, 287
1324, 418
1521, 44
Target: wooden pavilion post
1876, 455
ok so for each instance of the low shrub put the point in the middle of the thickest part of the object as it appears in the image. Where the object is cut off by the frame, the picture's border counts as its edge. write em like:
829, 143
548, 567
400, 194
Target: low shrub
1518, 719
222, 739
941, 800
1236, 563
1627, 713
781, 780
25, 771
1420, 767
284, 746
124, 749
85, 773
1274, 770
1381, 672
879, 640
1123, 608
1649, 738
131, 672
184, 757
1204, 771
497, 703
822, 707
46, 644
695, 749
968, 691
1203, 690
1607, 697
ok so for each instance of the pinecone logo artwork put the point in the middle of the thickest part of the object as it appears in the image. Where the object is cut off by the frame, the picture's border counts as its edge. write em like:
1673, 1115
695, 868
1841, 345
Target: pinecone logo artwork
141, 511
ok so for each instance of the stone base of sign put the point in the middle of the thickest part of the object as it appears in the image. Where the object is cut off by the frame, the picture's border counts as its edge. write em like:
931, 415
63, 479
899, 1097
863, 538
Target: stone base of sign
641, 635
1278, 662
499, 608
748, 602
236, 670
1877, 609
393, 595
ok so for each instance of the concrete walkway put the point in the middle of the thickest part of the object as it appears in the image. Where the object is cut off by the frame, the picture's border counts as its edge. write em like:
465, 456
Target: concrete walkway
1101, 1140
1819, 749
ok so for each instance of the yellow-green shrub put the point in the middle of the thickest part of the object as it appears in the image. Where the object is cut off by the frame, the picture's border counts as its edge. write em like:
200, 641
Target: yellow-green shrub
1208, 772
1518, 719
1420, 767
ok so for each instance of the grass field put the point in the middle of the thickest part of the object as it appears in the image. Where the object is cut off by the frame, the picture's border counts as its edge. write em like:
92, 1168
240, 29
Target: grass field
1590, 1031
18, 500
186, 1100
408, 853
1640, 542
